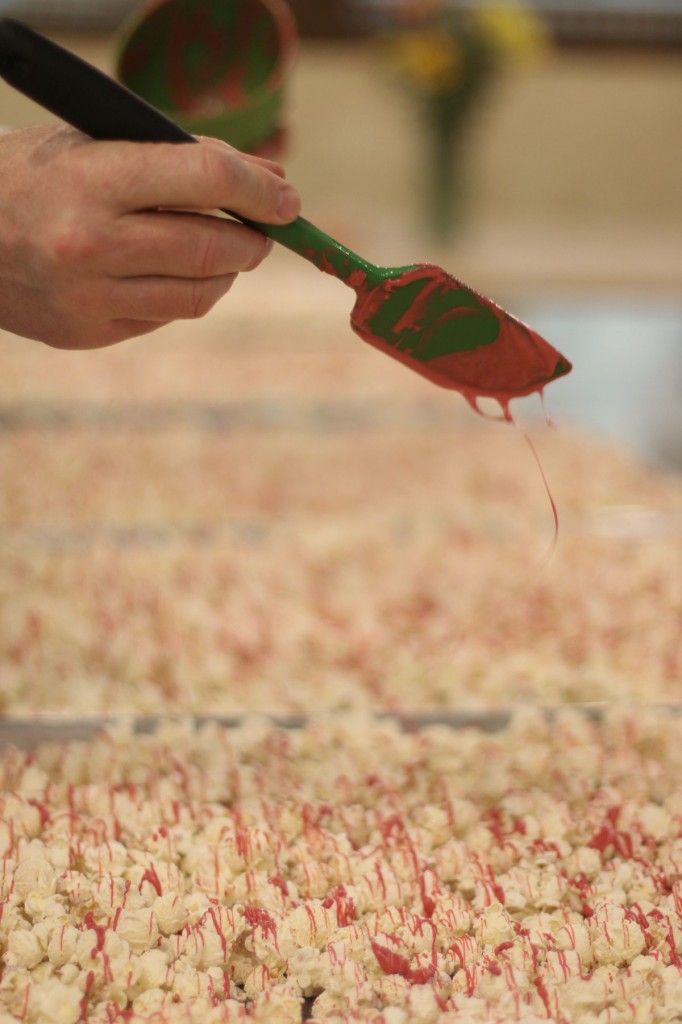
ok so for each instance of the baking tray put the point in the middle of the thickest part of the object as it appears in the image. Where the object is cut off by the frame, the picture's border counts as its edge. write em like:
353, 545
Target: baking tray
28, 731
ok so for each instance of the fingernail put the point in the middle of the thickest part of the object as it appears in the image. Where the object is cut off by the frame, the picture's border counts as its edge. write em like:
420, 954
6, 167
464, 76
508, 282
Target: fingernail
289, 203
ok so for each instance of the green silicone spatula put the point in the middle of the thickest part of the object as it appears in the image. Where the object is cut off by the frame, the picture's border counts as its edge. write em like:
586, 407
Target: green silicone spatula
419, 314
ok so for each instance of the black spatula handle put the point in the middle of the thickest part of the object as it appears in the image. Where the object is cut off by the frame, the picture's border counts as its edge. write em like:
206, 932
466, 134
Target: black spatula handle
77, 92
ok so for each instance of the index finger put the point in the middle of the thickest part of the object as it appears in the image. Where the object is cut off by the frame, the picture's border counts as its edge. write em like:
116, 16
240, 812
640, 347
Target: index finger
196, 176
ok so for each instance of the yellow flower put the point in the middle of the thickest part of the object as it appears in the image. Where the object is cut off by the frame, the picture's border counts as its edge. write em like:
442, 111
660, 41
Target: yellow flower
429, 61
513, 31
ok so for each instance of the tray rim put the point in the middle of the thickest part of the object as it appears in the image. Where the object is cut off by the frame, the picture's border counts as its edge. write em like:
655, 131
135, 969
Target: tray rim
27, 731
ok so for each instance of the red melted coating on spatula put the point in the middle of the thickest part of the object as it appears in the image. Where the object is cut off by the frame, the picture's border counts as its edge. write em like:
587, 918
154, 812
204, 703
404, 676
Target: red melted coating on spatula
516, 361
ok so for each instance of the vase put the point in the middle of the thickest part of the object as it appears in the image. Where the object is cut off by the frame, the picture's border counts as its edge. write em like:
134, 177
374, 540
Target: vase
446, 177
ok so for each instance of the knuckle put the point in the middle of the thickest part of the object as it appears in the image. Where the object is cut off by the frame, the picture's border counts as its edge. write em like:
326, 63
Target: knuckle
266, 192
201, 300
260, 249
208, 254
205, 294
71, 244
217, 168
239, 180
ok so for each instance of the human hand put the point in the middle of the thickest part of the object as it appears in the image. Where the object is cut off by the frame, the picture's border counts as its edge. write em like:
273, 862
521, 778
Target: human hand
97, 241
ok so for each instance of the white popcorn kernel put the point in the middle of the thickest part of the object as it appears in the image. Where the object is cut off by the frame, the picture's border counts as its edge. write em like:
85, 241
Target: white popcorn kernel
311, 877
655, 821
575, 935
311, 924
392, 990
551, 890
616, 937
560, 965
465, 951
23, 949
41, 908
587, 994
34, 781
58, 852
69, 973
672, 987
584, 860
151, 1002
436, 822
191, 985
23, 821
138, 928
53, 1002
111, 858
395, 1015
63, 945
34, 876
86, 946
451, 859
75, 887
12, 921
154, 969
646, 965
257, 981
121, 979
514, 900
214, 948
493, 926
452, 915
112, 893
423, 1005
197, 903
280, 1005
307, 966
171, 913
42, 972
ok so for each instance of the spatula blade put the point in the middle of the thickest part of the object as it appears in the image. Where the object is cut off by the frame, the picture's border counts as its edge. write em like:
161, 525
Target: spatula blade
452, 335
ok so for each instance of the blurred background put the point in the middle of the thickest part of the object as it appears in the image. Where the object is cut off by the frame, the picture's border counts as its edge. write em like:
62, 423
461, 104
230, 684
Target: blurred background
197, 517
535, 152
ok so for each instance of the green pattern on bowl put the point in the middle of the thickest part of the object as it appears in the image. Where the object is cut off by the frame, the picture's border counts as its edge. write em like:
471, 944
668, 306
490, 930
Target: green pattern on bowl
217, 67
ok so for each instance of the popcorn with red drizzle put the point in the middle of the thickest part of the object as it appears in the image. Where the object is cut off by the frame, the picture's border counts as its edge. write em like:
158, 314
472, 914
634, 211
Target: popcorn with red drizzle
348, 871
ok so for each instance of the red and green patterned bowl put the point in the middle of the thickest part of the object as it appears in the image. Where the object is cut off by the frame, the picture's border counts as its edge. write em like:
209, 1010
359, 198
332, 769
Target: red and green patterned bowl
217, 67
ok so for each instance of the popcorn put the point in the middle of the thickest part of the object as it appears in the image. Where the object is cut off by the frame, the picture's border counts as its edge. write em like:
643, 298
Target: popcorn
63, 945
151, 1002
34, 877
533, 904
23, 949
655, 821
53, 1002
154, 969
311, 924
204, 947
494, 926
144, 588
617, 937
171, 913
139, 928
